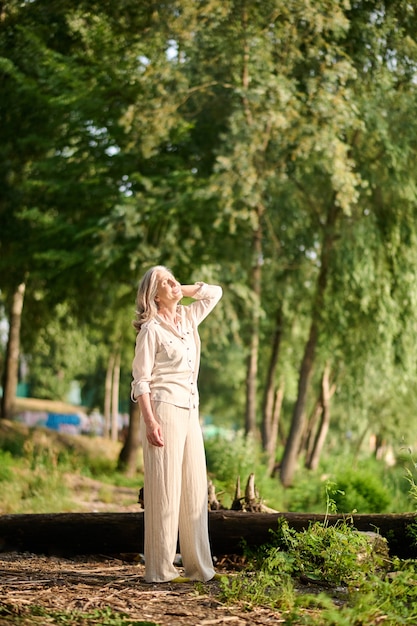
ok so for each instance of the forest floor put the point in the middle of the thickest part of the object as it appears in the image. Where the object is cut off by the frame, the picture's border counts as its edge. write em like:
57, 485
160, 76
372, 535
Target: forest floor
39, 590
110, 590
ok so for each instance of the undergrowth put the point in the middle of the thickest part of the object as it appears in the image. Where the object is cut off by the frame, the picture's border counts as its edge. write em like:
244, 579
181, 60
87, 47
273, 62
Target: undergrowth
327, 574
364, 484
32, 464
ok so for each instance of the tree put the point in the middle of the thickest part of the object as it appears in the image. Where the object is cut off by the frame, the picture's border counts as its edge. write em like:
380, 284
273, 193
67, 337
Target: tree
12, 352
65, 113
55, 359
320, 423
270, 146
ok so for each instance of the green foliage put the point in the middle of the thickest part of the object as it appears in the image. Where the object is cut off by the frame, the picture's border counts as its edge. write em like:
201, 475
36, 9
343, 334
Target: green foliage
322, 553
34, 466
261, 588
342, 560
95, 466
306, 495
365, 483
391, 600
330, 553
35, 491
362, 491
13, 442
410, 468
56, 358
230, 457
365, 486
32, 479
234, 456
210, 125
325, 552
411, 479
6, 466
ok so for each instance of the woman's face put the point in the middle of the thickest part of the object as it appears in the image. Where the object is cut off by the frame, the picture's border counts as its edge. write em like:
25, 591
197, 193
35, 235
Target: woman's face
168, 289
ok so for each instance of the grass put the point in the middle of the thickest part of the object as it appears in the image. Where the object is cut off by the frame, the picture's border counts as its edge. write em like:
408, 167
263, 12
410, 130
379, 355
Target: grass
35, 463
40, 615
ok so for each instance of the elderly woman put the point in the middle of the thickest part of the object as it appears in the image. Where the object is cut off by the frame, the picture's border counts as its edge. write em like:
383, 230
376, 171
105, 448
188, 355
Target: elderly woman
165, 370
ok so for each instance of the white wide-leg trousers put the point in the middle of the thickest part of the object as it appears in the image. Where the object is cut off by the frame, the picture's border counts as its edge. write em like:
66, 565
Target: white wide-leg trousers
175, 497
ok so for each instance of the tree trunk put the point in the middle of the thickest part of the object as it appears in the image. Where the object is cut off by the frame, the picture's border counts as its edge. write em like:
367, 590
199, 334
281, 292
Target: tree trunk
326, 395
272, 444
289, 461
310, 435
252, 365
311, 430
115, 398
68, 534
270, 392
360, 441
128, 458
108, 396
11, 368
252, 371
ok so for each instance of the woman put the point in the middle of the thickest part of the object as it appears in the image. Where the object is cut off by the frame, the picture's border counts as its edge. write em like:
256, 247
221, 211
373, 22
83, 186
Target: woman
165, 370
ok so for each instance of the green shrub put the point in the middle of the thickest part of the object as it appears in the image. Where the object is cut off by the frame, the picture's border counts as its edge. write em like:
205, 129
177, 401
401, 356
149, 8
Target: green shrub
386, 489
227, 460
322, 552
360, 490
307, 495
325, 554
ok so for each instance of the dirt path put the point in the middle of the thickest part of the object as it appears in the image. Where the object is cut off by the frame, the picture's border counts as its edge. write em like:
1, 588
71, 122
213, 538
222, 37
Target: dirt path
90, 583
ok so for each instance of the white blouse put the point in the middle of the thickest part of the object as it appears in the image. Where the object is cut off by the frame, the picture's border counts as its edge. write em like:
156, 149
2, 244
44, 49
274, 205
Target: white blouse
167, 359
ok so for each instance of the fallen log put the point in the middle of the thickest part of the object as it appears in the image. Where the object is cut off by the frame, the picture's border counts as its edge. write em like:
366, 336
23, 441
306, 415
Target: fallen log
229, 529
69, 534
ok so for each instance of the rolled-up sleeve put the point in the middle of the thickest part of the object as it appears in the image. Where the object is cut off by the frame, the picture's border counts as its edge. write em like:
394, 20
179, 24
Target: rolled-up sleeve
206, 299
143, 362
